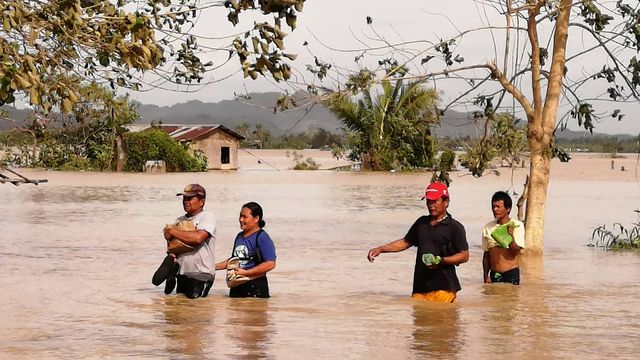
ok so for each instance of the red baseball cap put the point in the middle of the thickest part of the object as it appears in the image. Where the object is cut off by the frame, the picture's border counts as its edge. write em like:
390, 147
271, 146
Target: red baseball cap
435, 191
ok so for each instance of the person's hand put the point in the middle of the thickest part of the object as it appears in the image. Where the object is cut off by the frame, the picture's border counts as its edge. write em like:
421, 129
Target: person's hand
240, 271
487, 279
510, 230
167, 233
373, 253
435, 266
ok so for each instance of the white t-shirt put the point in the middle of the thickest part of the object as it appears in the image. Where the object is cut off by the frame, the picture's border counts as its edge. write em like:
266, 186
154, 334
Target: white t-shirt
488, 242
200, 264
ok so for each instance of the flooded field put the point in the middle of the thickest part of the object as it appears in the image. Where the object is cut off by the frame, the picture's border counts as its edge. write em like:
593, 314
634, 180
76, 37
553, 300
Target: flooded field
77, 255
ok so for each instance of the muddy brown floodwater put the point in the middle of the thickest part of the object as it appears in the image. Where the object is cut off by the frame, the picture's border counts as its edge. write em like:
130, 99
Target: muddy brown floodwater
77, 255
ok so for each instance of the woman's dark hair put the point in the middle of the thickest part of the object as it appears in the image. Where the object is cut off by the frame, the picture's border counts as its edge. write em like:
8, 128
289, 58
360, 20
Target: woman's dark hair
256, 210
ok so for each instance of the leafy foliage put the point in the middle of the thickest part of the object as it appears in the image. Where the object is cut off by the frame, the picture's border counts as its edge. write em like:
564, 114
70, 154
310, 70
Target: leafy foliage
268, 42
48, 47
390, 130
85, 139
477, 156
509, 139
505, 141
155, 144
618, 238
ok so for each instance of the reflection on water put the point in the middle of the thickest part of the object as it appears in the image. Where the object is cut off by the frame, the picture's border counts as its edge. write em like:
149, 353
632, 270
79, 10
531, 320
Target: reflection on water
437, 332
78, 253
187, 326
350, 198
250, 328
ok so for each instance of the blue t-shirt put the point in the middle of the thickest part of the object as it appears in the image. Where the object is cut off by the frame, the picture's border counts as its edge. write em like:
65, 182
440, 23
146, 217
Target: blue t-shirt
245, 248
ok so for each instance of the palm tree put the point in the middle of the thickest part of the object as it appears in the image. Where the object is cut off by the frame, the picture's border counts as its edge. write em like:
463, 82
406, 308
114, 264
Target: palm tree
389, 130
243, 129
262, 136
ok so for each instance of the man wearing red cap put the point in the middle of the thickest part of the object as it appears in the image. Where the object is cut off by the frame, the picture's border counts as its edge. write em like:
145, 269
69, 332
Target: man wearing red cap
442, 244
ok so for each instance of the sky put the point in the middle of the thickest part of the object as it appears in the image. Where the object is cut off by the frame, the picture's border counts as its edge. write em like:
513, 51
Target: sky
337, 31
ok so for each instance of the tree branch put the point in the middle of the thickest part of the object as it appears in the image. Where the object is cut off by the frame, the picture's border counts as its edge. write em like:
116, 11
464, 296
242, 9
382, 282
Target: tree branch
514, 91
611, 55
556, 74
507, 15
532, 29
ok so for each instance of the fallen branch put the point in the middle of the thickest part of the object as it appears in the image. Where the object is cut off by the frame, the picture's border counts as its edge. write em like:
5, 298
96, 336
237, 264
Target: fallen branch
19, 180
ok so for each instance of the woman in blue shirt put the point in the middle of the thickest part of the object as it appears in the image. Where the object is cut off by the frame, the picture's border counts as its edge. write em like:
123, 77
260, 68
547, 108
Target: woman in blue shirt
256, 252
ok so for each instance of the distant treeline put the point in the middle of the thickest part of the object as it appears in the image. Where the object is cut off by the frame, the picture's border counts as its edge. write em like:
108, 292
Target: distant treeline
601, 144
258, 137
596, 143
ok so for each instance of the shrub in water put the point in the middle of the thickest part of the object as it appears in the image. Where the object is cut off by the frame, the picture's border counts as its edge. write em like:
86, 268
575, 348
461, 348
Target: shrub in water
155, 144
619, 237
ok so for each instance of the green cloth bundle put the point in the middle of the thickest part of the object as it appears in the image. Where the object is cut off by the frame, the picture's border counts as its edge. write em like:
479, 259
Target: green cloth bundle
430, 259
501, 234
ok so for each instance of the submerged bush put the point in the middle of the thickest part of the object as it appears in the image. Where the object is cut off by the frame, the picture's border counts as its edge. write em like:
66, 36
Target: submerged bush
77, 163
155, 144
618, 238
308, 164
443, 167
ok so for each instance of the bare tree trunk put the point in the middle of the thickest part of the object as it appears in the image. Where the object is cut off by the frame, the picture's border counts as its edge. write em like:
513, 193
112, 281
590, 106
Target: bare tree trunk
541, 127
120, 154
536, 199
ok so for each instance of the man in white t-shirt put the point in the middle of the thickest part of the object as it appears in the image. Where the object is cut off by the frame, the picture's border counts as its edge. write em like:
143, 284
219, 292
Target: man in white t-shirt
194, 270
500, 262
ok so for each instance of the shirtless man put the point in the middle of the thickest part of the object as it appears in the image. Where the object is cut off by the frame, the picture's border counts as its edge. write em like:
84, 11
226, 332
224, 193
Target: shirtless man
500, 264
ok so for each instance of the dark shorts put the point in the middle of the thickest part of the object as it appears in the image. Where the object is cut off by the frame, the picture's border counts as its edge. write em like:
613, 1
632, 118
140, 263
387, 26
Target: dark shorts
512, 276
258, 288
192, 288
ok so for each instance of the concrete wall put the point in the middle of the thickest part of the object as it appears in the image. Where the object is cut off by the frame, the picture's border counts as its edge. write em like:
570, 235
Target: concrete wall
212, 147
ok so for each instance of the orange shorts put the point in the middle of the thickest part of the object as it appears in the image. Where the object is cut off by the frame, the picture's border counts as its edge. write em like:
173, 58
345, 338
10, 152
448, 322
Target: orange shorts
440, 296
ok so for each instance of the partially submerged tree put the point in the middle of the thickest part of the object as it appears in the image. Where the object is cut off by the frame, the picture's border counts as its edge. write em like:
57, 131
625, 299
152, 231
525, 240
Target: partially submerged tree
48, 47
537, 74
99, 121
503, 140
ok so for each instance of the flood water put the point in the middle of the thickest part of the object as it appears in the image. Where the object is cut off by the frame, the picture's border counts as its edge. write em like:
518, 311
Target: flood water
77, 255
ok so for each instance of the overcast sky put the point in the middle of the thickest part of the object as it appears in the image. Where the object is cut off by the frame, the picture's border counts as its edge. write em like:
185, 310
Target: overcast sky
335, 31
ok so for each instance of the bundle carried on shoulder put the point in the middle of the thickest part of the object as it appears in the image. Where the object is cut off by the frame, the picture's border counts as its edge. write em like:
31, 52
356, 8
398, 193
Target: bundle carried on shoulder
176, 246
234, 279
501, 234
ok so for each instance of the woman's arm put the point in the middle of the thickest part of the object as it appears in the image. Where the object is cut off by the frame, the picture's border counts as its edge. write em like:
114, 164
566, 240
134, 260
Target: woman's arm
260, 270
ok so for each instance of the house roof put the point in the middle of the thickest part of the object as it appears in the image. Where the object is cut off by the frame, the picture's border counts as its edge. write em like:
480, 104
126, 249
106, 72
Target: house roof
181, 132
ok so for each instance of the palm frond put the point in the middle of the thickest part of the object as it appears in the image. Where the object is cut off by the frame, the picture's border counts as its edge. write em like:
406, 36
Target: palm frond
619, 237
